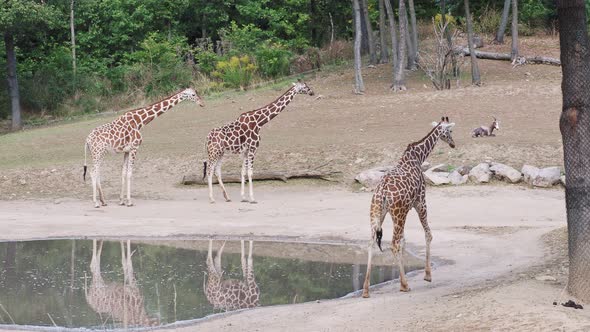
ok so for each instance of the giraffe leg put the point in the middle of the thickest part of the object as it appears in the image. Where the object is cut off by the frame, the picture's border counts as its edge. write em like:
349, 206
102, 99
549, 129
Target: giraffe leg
123, 176
218, 175
243, 260
243, 179
94, 177
218, 258
397, 247
210, 165
422, 214
377, 216
367, 283
250, 172
130, 162
100, 193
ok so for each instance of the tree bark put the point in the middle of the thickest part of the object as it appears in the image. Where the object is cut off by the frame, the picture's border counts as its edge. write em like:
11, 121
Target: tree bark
384, 57
514, 36
506, 57
399, 81
575, 130
369, 29
359, 86
502, 28
414, 34
411, 65
392, 31
12, 81
475, 76
443, 10
73, 38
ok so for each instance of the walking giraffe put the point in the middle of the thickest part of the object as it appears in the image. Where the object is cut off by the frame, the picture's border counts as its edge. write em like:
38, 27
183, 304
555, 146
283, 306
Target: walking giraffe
123, 135
230, 294
400, 190
242, 136
124, 302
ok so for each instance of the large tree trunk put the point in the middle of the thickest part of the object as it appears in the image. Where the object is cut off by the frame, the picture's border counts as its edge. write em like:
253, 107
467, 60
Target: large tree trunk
410, 47
414, 34
12, 81
392, 31
359, 86
369, 29
443, 10
475, 77
502, 28
399, 80
514, 32
382, 35
575, 131
73, 38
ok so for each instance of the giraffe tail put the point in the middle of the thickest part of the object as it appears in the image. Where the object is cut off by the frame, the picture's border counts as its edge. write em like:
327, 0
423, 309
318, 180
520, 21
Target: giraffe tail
378, 236
204, 170
85, 167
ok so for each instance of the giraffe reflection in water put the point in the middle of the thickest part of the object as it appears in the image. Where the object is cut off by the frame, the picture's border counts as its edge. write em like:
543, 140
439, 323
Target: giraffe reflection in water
122, 302
231, 294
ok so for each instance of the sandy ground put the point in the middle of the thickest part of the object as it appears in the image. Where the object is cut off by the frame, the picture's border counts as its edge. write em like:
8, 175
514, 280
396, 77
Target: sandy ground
492, 235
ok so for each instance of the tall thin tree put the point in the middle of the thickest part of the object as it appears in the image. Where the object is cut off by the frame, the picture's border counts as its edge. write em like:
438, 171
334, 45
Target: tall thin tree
12, 80
575, 131
73, 39
514, 32
475, 76
499, 39
399, 80
392, 32
359, 86
384, 57
443, 11
414, 33
369, 29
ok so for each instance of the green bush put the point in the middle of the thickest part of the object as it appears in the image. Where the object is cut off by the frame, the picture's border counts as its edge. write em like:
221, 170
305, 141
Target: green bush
245, 39
488, 21
237, 72
206, 61
533, 13
273, 61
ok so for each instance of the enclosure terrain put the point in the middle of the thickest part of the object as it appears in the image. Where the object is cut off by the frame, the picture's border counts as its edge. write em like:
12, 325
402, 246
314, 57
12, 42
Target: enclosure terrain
490, 242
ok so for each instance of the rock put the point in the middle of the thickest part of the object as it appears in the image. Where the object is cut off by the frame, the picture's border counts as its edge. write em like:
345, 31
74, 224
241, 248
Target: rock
440, 168
529, 173
505, 173
456, 178
425, 166
463, 170
547, 177
436, 178
562, 180
370, 178
359, 160
477, 42
546, 278
480, 173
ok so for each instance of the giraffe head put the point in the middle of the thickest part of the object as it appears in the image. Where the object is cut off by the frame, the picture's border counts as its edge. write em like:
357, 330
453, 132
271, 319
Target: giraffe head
191, 94
303, 88
446, 128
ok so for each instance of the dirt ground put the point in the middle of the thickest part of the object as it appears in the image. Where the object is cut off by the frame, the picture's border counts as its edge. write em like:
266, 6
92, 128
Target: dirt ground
498, 238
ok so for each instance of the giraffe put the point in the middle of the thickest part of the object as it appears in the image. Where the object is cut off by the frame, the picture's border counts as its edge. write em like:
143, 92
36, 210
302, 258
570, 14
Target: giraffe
230, 294
123, 135
121, 301
242, 136
400, 190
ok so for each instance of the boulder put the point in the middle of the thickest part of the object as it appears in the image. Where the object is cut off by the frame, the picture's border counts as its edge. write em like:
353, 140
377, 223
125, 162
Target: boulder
370, 178
425, 166
440, 168
456, 178
547, 177
436, 178
463, 170
480, 173
505, 173
529, 173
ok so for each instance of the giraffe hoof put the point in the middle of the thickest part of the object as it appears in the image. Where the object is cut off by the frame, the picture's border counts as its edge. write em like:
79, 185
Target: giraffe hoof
366, 295
129, 204
121, 203
228, 200
253, 202
405, 289
103, 204
211, 202
96, 206
244, 200
428, 278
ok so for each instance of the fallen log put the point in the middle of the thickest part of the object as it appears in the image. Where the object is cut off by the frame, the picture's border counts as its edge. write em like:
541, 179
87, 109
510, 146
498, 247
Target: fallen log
506, 57
263, 176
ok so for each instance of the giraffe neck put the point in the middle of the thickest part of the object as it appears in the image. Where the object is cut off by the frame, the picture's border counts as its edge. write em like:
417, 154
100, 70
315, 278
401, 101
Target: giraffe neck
420, 150
145, 115
268, 112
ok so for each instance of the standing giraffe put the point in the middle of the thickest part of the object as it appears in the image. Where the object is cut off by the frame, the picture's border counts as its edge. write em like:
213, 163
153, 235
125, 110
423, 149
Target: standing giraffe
230, 294
242, 136
123, 302
123, 135
400, 190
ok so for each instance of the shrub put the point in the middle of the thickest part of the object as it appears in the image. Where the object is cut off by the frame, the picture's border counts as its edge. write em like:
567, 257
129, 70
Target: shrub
237, 72
451, 20
206, 61
273, 61
243, 40
488, 21
533, 13
307, 61
338, 52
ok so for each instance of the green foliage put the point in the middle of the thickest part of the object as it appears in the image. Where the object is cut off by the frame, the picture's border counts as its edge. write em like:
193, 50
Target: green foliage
488, 21
243, 39
237, 72
451, 20
533, 13
273, 61
206, 60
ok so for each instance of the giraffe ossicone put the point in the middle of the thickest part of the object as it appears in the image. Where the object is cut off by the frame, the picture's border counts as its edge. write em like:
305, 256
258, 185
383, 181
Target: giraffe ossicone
123, 135
400, 190
242, 136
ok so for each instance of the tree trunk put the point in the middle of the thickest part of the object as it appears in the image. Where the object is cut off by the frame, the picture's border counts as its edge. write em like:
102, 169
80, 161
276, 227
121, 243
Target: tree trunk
537, 59
392, 31
414, 33
73, 38
475, 77
382, 35
514, 53
502, 28
369, 29
359, 86
12, 81
411, 65
399, 81
443, 10
575, 131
